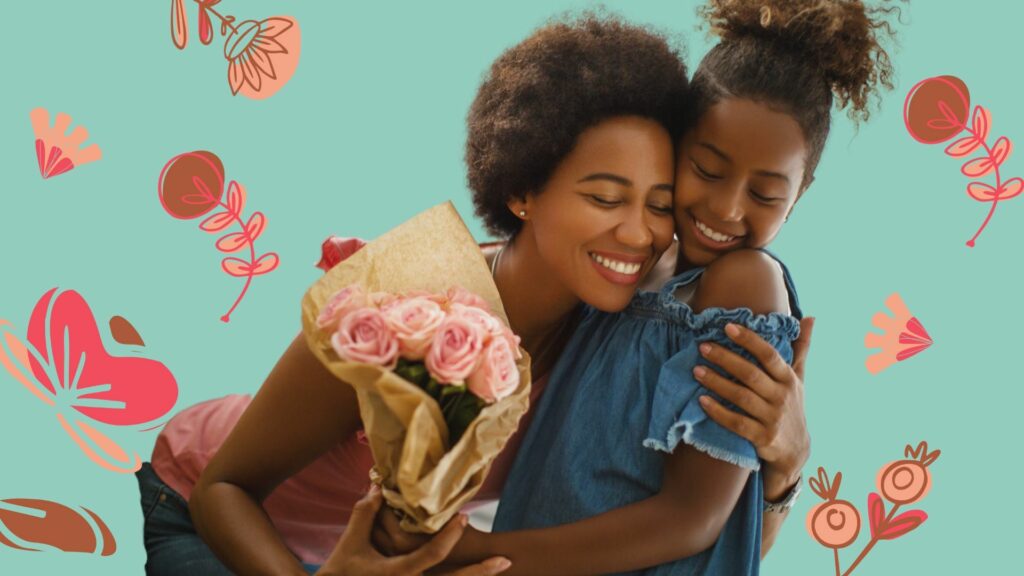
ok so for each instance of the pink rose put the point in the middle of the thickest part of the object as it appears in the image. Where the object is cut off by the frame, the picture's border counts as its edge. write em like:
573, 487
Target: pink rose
491, 325
364, 336
382, 300
414, 321
344, 301
459, 295
498, 375
455, 352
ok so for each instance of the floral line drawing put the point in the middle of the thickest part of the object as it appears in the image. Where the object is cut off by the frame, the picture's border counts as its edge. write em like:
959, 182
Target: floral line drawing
935, 111
904, 336
38, 525
64, 363
262, 55
56, 151
191, 185
836, 523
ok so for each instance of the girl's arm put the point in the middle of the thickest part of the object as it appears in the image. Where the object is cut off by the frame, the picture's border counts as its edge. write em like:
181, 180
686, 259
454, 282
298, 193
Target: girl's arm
299, 413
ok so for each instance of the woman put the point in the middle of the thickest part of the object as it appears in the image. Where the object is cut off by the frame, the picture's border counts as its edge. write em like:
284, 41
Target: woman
628, 98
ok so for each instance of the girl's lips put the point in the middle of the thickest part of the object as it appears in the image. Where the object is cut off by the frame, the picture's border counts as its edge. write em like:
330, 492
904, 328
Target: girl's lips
708, 242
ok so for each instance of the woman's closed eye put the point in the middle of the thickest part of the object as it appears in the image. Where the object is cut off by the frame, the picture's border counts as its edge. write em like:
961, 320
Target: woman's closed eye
604, 200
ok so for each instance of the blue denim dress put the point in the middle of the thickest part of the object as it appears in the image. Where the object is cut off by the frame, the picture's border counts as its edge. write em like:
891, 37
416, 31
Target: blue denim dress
621, 396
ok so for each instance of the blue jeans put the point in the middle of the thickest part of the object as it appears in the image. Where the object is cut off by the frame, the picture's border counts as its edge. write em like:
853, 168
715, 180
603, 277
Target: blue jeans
172, 544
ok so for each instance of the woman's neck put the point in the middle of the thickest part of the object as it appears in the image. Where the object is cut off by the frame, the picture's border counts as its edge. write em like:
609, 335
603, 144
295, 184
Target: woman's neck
536, 303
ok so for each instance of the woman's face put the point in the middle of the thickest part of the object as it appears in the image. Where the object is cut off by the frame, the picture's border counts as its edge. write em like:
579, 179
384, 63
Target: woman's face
605, 216
738, 174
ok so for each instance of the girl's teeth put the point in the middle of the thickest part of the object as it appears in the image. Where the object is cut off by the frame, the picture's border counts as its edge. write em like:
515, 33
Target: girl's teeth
620, 267
717, 237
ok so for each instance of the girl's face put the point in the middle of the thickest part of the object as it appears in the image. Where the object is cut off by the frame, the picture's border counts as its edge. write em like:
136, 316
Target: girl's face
605, 216
739, 173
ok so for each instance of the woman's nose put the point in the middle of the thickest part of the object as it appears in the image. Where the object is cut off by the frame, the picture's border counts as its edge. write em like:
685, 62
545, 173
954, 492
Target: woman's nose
635, 230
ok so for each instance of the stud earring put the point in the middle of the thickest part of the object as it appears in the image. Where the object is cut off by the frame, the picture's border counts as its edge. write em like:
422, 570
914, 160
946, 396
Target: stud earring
522, 213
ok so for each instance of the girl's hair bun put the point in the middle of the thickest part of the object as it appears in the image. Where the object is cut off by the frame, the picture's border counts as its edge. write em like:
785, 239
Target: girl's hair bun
839, 37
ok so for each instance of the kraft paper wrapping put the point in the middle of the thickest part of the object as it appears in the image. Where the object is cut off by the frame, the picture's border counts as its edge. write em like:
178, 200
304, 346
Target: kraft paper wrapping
406, 431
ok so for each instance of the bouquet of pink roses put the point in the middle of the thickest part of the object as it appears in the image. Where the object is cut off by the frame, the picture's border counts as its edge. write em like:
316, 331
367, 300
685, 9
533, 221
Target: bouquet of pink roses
414, 323
449, 345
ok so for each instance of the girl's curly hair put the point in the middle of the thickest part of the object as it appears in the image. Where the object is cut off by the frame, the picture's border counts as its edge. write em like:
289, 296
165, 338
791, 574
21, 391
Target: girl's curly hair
798, 56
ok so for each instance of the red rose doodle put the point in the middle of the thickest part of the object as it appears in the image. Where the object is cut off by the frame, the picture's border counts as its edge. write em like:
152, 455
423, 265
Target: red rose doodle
262, 55
192, 185
938, 109
64, 363
43, 525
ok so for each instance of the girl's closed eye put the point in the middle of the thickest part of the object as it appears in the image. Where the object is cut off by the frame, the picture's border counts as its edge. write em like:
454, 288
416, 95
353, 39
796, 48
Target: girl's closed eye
703, 173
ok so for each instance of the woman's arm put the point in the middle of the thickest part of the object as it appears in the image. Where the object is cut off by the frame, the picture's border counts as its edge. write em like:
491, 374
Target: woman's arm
780, 433
300, 412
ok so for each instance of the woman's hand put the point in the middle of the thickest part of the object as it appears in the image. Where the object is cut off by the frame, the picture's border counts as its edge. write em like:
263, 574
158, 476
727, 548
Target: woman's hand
772, 395
354, 555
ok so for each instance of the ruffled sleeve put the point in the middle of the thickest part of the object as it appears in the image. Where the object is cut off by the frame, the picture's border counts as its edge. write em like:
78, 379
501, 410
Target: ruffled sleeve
676, 413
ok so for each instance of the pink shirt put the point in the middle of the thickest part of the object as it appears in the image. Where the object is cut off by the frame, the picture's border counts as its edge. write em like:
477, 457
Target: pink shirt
311, 508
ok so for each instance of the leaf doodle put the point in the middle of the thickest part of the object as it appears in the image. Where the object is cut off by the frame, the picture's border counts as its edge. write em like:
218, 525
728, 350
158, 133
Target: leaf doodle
190, 186
935, 111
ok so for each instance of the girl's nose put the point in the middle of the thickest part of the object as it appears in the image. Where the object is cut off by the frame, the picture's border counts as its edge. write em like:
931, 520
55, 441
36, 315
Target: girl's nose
727, 205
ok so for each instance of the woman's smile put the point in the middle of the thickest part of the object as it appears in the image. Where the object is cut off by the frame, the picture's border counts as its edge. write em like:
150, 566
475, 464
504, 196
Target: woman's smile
619, 268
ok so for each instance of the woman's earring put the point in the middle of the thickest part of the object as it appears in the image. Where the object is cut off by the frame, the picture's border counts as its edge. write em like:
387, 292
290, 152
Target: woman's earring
522, 213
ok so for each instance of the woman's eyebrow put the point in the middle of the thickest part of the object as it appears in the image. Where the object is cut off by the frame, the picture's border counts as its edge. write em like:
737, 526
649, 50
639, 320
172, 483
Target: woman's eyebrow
724, 156
622, 181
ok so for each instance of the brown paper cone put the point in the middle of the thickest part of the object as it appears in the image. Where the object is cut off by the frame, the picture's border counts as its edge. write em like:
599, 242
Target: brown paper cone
406, 431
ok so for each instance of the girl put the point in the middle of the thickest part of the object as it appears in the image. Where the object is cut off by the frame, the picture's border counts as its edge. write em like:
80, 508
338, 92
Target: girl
265, 491
622, 470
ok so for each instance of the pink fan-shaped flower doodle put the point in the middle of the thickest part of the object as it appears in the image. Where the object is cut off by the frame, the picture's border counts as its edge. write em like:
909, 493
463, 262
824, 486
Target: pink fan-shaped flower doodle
937, 110
903, 336
192, 185
835, 523
262, 54
44, 525
56, 151
64, 363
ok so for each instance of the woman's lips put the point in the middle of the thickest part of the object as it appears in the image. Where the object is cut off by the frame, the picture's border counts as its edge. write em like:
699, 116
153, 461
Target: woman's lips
619, 260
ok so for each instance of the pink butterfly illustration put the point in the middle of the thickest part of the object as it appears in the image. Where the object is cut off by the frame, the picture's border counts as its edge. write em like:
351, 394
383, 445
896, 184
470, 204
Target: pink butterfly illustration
65, 364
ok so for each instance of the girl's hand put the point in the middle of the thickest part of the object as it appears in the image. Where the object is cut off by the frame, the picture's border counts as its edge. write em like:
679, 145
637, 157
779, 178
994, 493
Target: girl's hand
391, 540
772, 395
354, 555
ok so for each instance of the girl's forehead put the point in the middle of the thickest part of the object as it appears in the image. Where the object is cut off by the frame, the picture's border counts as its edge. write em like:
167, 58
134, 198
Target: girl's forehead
742, 131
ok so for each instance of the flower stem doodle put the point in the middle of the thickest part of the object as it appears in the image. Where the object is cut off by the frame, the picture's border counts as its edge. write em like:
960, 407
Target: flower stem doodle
191, 185
262, 54
835, 523
935, 111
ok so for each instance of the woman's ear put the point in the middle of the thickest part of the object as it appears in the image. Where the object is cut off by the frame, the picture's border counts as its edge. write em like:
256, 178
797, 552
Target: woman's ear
520, 207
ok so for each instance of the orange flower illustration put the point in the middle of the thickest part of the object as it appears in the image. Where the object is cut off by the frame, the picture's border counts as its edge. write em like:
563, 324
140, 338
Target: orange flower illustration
833, 523
904, 336
250, 49
262, 54
907, 481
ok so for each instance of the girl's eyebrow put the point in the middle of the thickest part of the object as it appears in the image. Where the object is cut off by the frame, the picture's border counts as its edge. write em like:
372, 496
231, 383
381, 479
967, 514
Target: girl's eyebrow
724, 156
621, 181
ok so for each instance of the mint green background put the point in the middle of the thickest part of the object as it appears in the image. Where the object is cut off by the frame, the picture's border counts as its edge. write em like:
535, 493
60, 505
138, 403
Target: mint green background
370, 131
